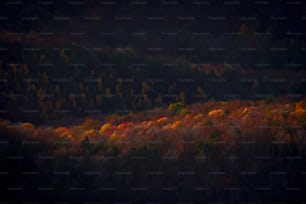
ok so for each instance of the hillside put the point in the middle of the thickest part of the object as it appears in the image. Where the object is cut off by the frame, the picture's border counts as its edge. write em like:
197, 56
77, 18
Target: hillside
46, 83
152, 101
205, 152
94, 57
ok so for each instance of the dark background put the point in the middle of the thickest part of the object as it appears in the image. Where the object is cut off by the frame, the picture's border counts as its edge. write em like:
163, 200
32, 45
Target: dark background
88, 57
205, 26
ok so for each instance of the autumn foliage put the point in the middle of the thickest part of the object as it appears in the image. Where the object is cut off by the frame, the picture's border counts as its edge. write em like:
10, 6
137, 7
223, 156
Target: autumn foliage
223, 125
215, 144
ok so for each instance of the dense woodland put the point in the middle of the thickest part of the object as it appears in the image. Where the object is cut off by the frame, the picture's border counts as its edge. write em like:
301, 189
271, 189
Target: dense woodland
152, 101
49, 83
72, 58
235, 151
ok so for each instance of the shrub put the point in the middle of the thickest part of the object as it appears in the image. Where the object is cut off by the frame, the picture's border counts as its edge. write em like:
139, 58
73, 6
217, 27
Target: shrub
215, 134
89, 124
269, 99
275, 122
175, 108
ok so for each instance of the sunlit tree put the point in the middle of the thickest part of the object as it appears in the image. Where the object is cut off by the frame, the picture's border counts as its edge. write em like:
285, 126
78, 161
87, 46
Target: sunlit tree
63, 56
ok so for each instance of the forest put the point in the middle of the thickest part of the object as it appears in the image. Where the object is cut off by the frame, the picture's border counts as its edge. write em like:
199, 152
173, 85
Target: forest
205, 152
152, 101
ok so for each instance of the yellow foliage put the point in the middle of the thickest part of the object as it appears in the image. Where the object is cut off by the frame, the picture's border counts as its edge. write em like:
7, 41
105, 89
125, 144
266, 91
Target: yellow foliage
105, 127
114, 136
175, 108
90, 132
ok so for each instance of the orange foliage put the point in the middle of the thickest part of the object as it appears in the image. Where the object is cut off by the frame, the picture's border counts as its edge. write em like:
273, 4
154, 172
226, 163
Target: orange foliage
27, 125
106, 128
162, 121
176, 124
64, 133
61, 130
216, 113
226, 124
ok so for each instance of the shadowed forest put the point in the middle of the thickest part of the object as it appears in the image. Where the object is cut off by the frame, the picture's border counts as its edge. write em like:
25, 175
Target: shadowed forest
152, 102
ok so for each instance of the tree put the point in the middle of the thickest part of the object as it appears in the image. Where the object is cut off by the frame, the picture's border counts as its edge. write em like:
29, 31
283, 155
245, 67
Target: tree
14, 68
182, 97
44, 112
58, 104
108, 93
159, 100
63, 55
99, 99
244, 29
57, 89
118, 91
45, 77
144, 88
200, 90
100, 86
